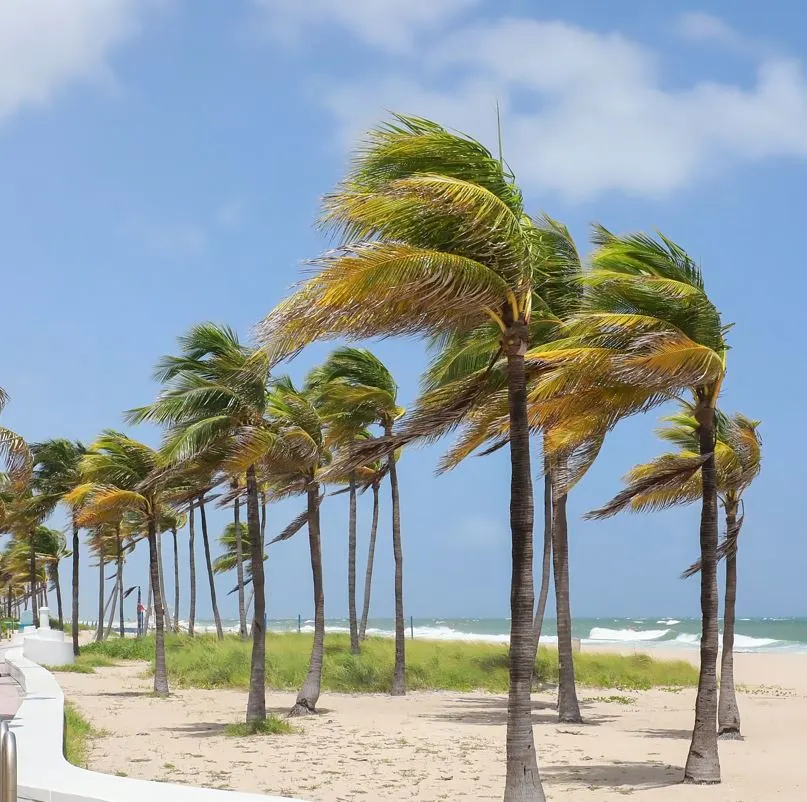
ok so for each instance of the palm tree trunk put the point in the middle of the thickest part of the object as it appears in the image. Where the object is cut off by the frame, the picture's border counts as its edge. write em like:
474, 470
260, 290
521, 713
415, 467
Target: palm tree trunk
351, 569
703, 762
120, 582
149, 606
523, 783
399, 670
568, 706
176, 579
309, 694
75, 589
58, 585
209, 564
160, 671
99, 631
34, 583
113, 600
161, 576
728, 712
239, 567
368, 576
546, 564
256, 702
192, 569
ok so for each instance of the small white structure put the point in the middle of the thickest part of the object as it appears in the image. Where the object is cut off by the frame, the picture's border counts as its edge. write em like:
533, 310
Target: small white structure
47, 646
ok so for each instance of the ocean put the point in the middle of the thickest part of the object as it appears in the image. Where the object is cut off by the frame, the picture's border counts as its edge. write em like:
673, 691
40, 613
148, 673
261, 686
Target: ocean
752, 634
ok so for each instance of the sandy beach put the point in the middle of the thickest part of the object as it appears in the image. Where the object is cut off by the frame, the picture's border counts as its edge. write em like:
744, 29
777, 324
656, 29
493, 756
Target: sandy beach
435, 746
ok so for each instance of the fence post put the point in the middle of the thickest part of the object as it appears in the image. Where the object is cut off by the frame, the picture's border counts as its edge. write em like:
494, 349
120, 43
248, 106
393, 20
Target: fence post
411, 627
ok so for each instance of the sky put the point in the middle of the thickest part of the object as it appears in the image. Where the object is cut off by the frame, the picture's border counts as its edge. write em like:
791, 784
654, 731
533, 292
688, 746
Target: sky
163, 162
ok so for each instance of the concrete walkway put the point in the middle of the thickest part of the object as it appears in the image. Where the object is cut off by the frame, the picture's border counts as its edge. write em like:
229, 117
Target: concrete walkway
10, 698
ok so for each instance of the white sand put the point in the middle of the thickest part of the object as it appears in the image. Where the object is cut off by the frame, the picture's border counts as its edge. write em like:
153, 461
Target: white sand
435, 746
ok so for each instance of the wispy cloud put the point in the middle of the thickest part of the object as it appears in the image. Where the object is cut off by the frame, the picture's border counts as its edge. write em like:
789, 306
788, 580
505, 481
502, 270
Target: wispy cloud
586, 112
388, 24
49, 44
698, 26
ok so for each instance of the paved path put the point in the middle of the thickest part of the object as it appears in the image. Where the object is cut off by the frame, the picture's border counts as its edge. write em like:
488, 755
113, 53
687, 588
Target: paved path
10, 698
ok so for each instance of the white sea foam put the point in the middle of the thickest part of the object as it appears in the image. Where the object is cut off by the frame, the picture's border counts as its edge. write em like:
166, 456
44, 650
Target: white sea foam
626, 635
747, 642
668, 622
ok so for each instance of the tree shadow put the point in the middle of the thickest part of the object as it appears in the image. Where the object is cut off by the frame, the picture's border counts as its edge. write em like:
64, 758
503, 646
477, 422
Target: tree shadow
198, 729
493, 711
683, 735
613, 775
124, 694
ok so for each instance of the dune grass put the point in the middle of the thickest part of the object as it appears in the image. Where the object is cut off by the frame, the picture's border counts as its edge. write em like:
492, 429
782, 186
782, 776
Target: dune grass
204, 662
77, 735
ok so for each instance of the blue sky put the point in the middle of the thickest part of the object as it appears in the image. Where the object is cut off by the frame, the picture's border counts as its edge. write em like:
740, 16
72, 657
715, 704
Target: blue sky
162, 164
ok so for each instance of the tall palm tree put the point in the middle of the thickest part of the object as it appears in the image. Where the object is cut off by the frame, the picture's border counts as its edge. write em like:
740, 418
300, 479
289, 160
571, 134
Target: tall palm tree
650, 325
214, 403
54, 548
295, 469
359, 387
124, 476
436, 241
56, 473
675, 479
371, 476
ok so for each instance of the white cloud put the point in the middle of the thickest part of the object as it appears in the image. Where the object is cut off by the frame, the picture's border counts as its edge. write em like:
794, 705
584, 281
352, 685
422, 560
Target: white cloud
584, 112
698, 26
47, 44
388, 24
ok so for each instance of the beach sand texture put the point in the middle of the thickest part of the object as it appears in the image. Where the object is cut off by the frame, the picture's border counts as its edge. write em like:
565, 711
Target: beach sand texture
450, 746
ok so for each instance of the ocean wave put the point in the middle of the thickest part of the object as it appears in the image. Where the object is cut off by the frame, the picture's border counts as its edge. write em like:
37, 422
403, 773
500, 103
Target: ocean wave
741, 642
668, 622
626, 635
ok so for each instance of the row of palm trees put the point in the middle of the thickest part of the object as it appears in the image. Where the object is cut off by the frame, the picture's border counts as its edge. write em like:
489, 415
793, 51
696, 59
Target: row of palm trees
530, 350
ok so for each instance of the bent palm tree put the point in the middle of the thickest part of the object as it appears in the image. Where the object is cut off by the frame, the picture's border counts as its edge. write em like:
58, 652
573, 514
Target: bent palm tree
214, 405
674, 479
436, 241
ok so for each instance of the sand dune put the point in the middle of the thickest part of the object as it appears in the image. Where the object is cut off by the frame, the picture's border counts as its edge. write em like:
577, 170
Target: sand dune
436, 746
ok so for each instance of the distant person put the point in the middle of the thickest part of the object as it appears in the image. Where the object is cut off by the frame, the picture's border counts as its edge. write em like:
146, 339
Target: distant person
141, 613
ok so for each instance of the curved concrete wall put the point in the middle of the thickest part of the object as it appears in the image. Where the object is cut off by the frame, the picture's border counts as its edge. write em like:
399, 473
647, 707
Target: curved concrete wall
44, 775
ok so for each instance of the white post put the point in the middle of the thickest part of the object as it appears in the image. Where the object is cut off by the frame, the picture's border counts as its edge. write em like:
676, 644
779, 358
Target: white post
44, 618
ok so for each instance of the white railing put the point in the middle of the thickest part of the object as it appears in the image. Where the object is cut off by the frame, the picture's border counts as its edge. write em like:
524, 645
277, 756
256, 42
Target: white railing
43, 774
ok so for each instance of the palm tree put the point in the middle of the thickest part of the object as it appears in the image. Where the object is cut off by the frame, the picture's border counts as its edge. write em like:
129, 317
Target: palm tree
295, 469
436, 241
228, 559
124, 476
675, 479
56, 473
650, 325
54, 547
214, 404
371, 478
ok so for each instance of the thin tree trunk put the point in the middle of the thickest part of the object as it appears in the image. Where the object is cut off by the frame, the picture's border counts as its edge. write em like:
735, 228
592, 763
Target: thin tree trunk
368, 576
149, 605
351, 569
209, 564
703, 762
58, 585
99, 631
523, 783
568, 706
399, 670
239, 567
160, 671
34, 583
546, 564
309, 694
113, 600
192, 568
75, 589
176, 579
256, 702
161, 575
120, 582
728, 712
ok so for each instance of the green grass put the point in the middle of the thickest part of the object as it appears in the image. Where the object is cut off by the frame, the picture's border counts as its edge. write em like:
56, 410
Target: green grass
272, 725
204, 662
78, 732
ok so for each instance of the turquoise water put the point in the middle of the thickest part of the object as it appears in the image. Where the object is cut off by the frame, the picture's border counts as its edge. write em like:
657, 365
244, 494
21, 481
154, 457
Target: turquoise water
752, 634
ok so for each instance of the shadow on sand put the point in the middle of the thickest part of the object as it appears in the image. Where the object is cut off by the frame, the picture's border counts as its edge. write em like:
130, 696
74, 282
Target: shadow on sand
633, 775
683, 735
493, 710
